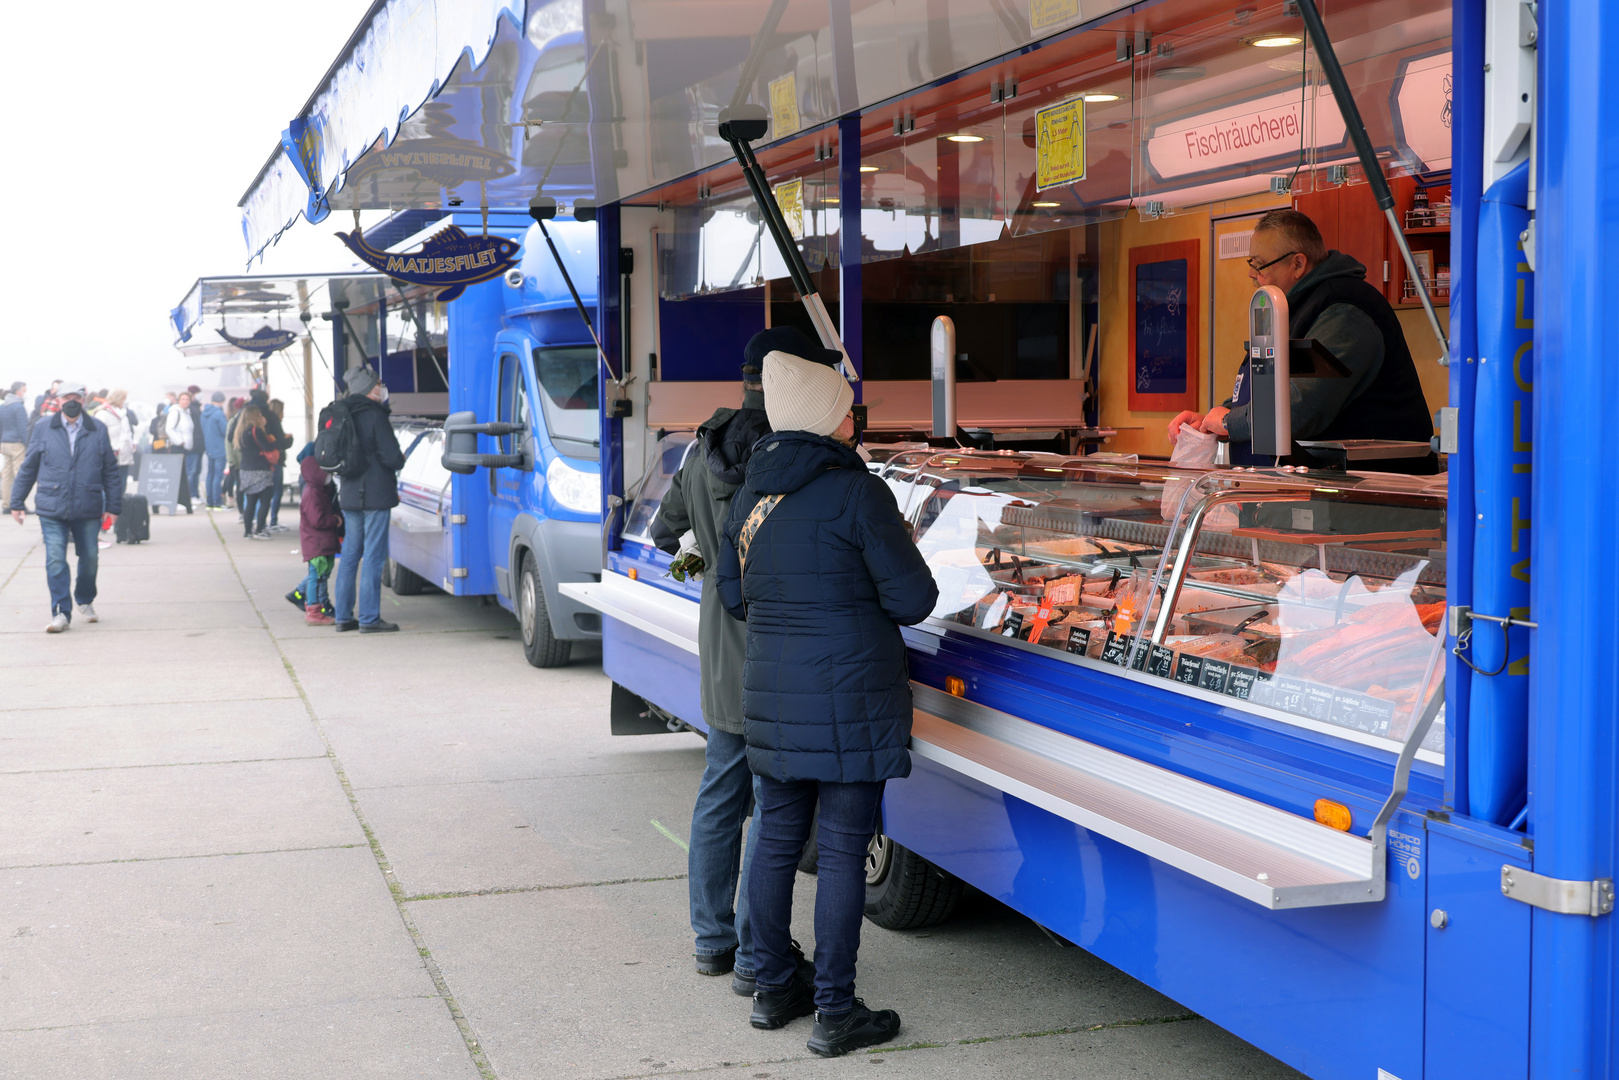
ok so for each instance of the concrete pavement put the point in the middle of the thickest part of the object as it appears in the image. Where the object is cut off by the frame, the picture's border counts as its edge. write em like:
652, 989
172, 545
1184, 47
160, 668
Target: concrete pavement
237, 845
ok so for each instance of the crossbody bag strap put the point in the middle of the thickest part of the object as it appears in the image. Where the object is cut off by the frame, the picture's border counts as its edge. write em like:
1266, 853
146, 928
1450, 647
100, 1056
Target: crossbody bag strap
756, 518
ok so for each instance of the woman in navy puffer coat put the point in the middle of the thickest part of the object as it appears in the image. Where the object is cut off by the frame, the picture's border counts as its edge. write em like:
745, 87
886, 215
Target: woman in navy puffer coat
826, 581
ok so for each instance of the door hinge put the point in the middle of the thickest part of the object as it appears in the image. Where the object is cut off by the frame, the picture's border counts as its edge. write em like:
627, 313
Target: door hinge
459, 571
1591, 898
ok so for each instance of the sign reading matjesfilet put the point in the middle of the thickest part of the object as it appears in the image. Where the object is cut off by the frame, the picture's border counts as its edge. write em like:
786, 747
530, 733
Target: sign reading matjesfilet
1059, 144
263, 341
450, 260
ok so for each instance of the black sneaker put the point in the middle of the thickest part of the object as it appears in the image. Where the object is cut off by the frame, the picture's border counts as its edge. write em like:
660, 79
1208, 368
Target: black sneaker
837, 1033
716, 963
772, 1010
381, 626
296, 599
347, 624
744, 985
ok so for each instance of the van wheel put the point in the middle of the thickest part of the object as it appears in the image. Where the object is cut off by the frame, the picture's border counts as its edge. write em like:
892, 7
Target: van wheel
405, 582
540, 646
904, 891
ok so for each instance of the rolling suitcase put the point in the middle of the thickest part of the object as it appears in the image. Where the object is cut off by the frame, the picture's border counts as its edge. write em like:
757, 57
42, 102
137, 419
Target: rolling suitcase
135, 523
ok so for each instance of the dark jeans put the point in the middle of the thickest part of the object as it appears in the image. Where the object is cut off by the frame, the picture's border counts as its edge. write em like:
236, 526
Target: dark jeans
365, 549
216, 481
848, 819
194, 475
83, 532
278, 486
255, 509
719, 913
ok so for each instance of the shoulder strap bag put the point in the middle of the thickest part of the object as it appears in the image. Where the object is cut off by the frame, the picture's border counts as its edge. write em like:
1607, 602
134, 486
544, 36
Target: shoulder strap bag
756, 518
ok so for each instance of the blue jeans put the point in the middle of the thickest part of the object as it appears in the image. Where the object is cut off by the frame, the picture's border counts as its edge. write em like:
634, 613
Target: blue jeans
724, 802
193, 475
279, 482
216, 481
365, 549
315, 593
84, 532
848, 818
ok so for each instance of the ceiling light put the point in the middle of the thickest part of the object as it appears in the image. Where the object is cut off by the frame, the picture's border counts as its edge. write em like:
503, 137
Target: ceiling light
1275, 41
965, 138
830, 202
868, 168
1097, 98
1045, 205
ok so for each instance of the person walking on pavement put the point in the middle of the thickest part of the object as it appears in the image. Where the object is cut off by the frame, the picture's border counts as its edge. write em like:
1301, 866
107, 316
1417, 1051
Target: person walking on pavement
259, 454
366, 496
194, 451
213, 443
278, 483
820, 563
114, 416
182, 434
73, 462
283, 442
13, 436
690, 525
233, 452
320, 534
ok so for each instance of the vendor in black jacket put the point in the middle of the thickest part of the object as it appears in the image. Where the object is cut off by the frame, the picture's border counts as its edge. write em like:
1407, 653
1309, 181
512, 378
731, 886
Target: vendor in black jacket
1329, 300
822, 566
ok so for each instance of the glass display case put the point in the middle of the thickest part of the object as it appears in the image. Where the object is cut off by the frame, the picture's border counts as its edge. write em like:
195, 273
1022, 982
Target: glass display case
1313, 599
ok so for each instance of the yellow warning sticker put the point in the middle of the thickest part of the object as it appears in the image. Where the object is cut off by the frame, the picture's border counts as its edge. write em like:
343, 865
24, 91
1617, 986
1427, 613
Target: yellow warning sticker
1045, 14
784, 105
790, 197
1059, 144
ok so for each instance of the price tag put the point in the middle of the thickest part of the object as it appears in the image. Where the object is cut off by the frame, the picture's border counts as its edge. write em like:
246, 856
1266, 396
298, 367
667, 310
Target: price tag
1240, 683
1317, 702
1138, 661
1189, 670
1260, 692
1116, 650
1162, 662
1215, 673
1079, 640
1377, 715
1287, 694
1013, 626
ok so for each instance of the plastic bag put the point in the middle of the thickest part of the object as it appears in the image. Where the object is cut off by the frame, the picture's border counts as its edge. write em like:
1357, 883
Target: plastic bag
1194, 449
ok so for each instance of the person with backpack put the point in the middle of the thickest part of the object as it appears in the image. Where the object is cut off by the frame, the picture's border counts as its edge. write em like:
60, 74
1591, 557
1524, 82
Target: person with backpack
821, 565
356, 440
259, 456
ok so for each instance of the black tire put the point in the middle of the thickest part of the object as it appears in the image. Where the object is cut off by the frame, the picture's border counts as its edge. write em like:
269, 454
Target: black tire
904, 891
540, 646
405, 582
810, 860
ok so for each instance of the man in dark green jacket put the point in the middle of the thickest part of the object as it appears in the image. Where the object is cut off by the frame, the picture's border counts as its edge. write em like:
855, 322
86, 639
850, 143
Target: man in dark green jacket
692, 517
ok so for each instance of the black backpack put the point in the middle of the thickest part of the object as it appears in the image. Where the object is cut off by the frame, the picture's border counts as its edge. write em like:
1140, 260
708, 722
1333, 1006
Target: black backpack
337, 440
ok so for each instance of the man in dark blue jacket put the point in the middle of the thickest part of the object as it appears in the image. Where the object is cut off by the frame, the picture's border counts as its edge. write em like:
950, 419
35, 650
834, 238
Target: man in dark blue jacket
13, 437
72, 460
213, 441
822, 566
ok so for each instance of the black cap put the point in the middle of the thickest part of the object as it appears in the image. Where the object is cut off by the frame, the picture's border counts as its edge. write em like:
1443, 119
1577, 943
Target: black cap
790, 340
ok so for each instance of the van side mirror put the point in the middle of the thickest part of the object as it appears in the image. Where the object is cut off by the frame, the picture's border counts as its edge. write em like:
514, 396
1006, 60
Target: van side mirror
461, 431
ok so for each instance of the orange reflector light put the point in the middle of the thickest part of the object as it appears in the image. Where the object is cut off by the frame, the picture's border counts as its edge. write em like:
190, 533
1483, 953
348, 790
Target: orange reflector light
635, 575
1332, 815
955, 686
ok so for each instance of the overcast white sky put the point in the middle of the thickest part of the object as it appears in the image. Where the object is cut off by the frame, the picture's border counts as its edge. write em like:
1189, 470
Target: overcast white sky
133, 131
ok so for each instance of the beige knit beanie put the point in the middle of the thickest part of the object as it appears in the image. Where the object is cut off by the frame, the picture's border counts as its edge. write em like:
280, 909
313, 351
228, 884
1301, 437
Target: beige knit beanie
801, 395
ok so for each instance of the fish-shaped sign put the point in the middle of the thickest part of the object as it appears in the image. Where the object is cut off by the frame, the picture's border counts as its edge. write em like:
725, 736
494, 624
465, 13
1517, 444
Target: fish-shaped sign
264, 341
450, 259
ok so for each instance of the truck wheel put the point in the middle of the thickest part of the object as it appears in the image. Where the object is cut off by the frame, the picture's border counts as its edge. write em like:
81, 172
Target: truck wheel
405, 582
904, 891
540, 646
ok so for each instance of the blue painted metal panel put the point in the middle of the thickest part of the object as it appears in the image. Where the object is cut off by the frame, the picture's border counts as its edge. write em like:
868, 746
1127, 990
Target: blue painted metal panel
651, 667
851, 294
1498, 741
1574, 696
1478, 963
1335, 992
475, 319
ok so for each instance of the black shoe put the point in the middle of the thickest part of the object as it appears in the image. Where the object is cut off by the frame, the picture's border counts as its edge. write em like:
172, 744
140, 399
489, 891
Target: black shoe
744, 985
347, 624
773, 1010
381, 626
841, 1032
716, 963
296, 599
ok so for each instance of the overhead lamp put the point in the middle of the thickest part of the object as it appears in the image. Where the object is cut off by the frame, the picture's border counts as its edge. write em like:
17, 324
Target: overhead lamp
965, 138
1045, 205
1276, 41
868, 168
1096, 99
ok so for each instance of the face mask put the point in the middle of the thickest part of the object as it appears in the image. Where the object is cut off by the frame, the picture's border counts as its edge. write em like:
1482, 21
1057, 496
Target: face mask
384, 396
72, 409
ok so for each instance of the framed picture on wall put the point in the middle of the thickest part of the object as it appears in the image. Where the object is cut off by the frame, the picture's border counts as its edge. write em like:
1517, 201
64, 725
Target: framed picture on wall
1164, 337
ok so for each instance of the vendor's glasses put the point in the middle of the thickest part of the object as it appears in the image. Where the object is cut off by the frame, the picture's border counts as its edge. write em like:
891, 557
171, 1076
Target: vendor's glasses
1273, 262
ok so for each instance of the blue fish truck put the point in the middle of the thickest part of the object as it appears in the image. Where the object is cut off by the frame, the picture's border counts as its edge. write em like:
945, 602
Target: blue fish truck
518, 511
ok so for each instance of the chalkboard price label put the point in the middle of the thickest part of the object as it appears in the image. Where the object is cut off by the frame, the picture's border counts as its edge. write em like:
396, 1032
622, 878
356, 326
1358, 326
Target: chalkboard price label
1287, 694
1260, 692
1215, 674
1189, 670
1079, 640
1240, 683
1138, 659
1013, 627
1162, 663
1317, 702
1116, 650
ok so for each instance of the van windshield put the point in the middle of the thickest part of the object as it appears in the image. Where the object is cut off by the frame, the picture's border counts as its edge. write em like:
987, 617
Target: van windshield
567, 376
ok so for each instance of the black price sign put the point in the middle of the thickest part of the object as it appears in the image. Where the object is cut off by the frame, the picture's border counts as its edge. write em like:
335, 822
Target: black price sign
1079, 640
1287, 694
1215, 673
1317, 702
1240, 683
1189, 670
1162, 661
1116, 650
1013, 627
1362, 712
1138, 659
